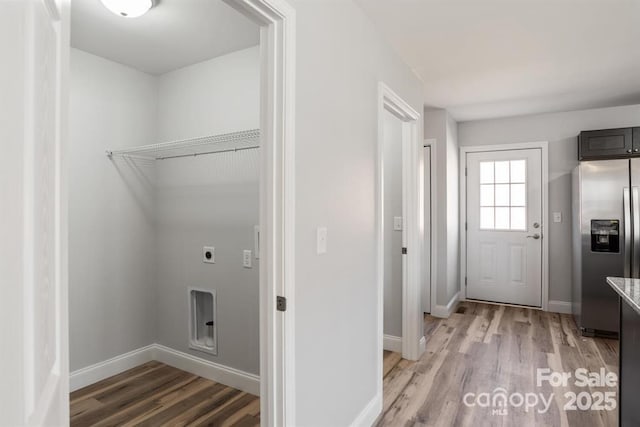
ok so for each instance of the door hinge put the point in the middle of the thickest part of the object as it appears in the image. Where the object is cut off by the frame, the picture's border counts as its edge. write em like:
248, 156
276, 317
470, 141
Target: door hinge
404, 251
465, 226
465, 171
465, 282
281, 303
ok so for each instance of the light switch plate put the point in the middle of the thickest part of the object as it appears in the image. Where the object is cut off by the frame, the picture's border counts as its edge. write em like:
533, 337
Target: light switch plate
397, 223
246, 258
209, 255
321, 240
557, 217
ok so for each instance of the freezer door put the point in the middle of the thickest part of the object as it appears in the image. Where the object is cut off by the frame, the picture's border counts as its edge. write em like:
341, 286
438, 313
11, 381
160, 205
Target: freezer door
635, 215
605, 199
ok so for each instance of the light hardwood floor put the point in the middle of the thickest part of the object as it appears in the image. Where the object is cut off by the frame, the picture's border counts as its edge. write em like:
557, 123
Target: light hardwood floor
155, 394
483, 347
478, 349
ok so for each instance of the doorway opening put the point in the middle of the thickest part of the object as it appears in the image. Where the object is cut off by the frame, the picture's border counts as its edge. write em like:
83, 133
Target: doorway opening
394, 233
399, 228
204, 211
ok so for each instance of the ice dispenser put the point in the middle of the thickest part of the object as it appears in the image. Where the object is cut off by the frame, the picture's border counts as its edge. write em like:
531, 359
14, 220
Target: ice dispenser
605, 235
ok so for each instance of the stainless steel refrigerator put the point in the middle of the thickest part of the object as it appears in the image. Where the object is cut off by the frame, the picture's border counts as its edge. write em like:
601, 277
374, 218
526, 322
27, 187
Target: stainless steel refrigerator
606, 239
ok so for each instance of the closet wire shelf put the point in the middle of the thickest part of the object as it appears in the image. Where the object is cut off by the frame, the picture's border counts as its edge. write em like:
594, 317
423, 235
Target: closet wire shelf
235, 141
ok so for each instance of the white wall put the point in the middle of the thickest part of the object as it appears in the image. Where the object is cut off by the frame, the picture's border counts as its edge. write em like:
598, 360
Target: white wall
217, 96
561, 130
210, 201
111, 211
340, 60
392, 238
439, 125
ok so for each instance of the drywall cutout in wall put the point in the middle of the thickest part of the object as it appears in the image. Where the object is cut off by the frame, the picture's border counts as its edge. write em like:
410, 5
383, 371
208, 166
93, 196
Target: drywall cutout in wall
202, 321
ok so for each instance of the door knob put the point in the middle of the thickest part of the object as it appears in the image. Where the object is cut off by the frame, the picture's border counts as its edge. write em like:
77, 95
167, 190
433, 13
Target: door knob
535, 236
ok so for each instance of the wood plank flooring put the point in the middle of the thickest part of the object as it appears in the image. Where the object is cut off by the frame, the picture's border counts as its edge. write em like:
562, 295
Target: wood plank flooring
155, 394
478, 349
483, 347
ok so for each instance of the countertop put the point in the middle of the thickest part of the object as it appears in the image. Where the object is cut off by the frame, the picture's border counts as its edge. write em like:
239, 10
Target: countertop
628, 289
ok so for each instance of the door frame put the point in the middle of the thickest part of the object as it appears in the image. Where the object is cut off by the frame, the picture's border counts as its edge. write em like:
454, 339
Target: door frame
413, 341
431, 143
277, 21
544, 147
277, 204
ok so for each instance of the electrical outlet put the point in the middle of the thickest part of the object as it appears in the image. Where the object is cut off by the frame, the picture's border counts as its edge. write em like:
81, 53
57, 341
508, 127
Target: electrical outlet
209, 255
246, 258
557, 217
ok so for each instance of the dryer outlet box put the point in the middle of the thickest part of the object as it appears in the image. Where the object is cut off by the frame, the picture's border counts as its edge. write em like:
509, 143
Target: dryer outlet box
209, 255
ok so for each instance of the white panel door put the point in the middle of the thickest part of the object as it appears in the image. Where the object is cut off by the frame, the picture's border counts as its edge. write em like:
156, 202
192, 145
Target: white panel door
426, 270
504, 226
34, 218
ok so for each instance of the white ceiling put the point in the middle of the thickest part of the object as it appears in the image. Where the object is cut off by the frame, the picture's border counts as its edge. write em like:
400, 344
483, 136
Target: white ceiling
484, 59
172, 35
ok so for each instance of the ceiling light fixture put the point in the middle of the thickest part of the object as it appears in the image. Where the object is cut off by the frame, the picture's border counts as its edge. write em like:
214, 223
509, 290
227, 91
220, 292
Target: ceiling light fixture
128, 8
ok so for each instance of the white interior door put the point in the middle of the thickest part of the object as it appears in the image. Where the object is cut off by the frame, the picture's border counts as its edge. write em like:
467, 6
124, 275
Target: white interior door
504, 226
34, 387
426, 270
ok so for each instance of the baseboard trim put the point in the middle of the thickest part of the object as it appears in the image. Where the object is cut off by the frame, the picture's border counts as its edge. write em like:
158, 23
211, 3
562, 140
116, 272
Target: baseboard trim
422, 345
370, 414
231, 377
444, 311
249, 383
99, 371
392, 343
563, 307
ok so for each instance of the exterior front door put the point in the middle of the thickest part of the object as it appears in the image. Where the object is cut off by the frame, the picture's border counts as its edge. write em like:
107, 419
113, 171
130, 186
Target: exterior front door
504, 226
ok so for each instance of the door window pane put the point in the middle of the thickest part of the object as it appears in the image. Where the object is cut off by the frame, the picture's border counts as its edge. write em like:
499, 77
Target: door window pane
486, 173
486, 195
503, 195
502, 172
518, 171
518, 195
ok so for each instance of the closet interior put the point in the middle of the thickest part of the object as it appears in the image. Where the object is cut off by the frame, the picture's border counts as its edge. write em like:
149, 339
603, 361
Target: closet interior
164, 214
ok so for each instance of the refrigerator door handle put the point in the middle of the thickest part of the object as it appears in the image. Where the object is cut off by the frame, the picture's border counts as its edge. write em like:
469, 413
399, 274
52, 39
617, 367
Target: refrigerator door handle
626, 208
635, 252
